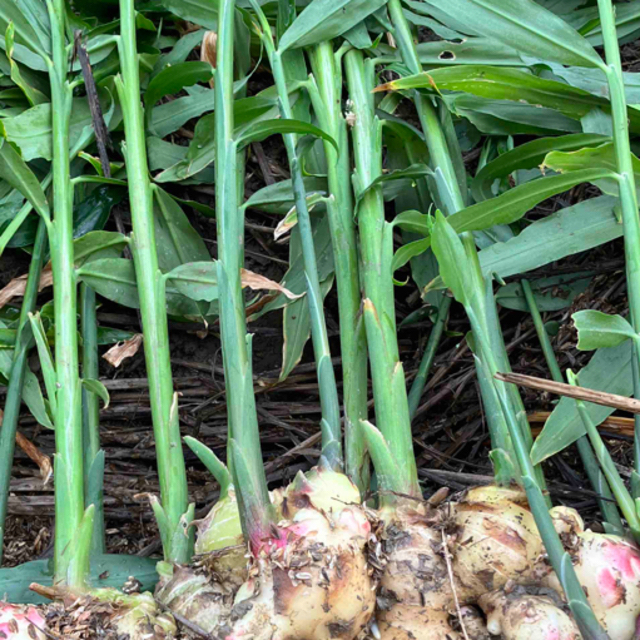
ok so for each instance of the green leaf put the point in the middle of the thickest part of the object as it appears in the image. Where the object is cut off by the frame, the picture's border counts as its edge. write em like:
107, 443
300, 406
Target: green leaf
525, 26
181, 50
169, 117
454, 265
97, 245
93, 212
326, 20
296, 329
106, 571
202, 12
506, 84
627, 16
386, 467
46, 360
595, 157
609, 370
210, 460
278, 197
28, 31
504, 117
551, 294
31, 130
415, 171
33, 95
408, 251
32, 395
201, 150
15, 171
113, 278
526, 156
177, 241
172, 80
513, 204
597, 330
109, 335
469, 51
196, 280
583, 226
294, 279
414, 221
95, 386
258, 131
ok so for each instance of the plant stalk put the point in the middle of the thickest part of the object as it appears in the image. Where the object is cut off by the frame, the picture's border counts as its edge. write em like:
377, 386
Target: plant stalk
245, 452
330, 405
623, 497
16, 379
626, 184
591, 466
376, 247
428, 356
170, 460
326, 91
68, 467
451, 196
93, 456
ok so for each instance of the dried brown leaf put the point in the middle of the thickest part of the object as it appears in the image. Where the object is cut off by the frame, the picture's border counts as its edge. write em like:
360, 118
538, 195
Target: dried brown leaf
209, 50
17, 286
123, 350
42, 460
256, 281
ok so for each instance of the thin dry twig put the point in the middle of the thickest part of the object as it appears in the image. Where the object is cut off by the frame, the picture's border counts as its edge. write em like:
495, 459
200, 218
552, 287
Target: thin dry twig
579, 393
447, 560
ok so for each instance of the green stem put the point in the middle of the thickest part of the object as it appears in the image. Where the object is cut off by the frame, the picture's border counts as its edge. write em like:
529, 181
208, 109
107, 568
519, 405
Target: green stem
68, 468
622, 495
429, 354
246, 456
170, 460
626, 181
331, 432
376, 247
451, 196
93, 456
591, 466
558, 557
16, 379
326, 91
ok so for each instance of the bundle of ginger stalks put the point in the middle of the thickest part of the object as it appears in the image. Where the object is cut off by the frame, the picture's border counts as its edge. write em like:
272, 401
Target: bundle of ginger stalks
328, 556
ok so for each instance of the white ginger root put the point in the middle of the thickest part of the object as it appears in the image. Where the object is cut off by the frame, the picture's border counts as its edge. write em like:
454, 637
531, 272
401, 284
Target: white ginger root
197, 595
474, 623
19, 622
219, 536
312, 583
140, 618
415, 600
520, 616
497, 541
608, 567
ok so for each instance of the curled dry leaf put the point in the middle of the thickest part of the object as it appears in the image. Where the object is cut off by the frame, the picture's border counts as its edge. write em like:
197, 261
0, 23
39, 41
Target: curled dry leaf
285, 225
43, 461
256, 281
209, 50
18, 285
123, 350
